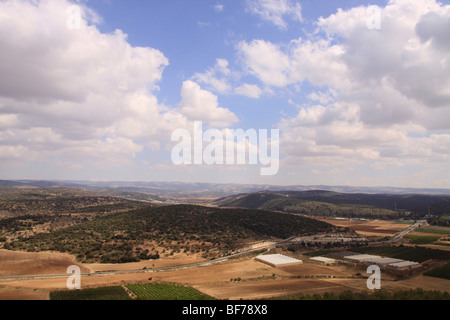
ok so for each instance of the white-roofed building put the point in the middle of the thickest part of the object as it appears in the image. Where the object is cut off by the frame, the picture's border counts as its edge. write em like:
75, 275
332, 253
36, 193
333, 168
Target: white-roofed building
278, 260
404, 265
383, 261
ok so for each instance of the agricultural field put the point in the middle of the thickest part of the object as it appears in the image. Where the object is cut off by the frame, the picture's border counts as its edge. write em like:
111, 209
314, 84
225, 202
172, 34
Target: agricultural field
156, 291
369, 228
242, 278
441, 272
431, 236
435, 230
35, 263
417, 294
418, 239
161, 291
418, 254
103, 293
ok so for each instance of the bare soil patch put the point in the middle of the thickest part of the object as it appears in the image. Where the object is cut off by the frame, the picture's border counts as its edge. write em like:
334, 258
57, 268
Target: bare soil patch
31, 263
20, 294
225, 272
370, 227
308, 270
421, 281
176, 260
271, 288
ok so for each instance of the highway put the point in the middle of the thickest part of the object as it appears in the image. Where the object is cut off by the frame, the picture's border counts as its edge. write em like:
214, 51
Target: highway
406, 231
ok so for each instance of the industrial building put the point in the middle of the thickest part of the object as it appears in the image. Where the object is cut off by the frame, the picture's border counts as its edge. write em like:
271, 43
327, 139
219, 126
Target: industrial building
278, 260
404, 265
383, 261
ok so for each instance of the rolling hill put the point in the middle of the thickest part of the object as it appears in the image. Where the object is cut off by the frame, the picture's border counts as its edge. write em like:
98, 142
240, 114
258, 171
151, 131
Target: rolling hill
329, 203
146, 233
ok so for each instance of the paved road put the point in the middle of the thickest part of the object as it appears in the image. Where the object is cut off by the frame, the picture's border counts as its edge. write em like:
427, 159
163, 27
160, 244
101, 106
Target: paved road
406, 231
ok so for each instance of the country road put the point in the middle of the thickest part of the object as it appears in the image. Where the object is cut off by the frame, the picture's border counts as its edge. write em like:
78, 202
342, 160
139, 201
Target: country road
406, 231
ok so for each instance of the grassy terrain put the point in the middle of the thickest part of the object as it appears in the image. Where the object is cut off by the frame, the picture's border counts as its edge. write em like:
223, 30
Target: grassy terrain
442, 272
104, 293
404, 222
417, 254
416, 239
435, 230
123, 237
166, 292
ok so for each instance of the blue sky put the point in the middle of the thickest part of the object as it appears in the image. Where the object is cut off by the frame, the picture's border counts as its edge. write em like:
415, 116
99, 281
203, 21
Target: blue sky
354, 105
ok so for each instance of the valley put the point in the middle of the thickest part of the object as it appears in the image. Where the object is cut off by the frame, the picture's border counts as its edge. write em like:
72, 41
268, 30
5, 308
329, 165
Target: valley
206, 245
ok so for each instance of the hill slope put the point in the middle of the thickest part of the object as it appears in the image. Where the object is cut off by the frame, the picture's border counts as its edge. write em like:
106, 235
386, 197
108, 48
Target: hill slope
135, 235
319, 202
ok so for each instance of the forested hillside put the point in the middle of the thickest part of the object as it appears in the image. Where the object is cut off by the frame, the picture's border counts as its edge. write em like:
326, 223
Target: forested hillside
149, 232
327, 203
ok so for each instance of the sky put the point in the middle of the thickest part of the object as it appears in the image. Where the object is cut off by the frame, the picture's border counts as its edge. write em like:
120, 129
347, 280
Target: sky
359, 91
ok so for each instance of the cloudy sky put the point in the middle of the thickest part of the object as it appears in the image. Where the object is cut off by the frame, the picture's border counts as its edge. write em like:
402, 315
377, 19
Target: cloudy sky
94, 89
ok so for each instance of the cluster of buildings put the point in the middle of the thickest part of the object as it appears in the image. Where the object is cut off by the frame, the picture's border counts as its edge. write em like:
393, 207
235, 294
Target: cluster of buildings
279, 260
368, 259
393, 263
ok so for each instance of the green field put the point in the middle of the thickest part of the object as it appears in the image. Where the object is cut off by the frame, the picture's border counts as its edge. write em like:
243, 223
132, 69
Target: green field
166, 292
417, 254
104, 293
142, 291
435, 230
442, 272
416, 239
404, 222
318, 253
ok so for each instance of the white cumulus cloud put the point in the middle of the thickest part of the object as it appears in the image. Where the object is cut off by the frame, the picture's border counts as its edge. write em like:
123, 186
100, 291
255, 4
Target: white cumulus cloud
276, 11
380, 95
75, 93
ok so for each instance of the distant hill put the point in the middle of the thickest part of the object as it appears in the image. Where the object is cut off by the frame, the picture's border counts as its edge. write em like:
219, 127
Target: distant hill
21, 200
131, 236
322, 202
185, 190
